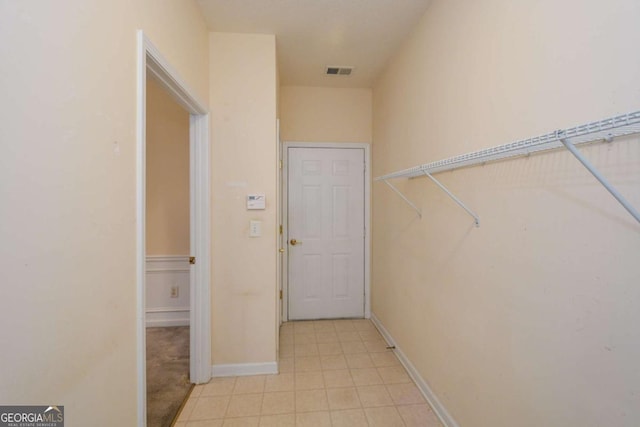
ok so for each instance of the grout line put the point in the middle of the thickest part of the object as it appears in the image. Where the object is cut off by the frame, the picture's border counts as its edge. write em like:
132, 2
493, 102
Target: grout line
438, 409
320, 370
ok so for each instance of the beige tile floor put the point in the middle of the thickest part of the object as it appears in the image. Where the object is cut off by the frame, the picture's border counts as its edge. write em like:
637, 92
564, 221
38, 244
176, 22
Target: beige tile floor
332, 373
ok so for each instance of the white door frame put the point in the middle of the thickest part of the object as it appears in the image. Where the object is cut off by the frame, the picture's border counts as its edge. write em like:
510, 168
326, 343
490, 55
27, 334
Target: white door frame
151, 60
367, 218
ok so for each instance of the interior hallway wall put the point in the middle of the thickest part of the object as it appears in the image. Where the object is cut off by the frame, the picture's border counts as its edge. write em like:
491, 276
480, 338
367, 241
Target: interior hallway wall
244, 161
324, 114
167, 209
532, 318
167, 173
68, 191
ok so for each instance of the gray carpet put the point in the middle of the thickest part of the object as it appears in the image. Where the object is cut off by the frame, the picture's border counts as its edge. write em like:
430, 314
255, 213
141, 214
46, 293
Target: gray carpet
167, 373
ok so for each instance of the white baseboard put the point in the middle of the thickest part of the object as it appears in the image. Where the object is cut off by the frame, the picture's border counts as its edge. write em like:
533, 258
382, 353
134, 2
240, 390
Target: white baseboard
164, 317
242, 369
442, 413
165, 323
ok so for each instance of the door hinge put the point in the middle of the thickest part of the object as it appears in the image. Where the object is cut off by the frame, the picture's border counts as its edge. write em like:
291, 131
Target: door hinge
280, 229
280, 293
192, 260
280, 164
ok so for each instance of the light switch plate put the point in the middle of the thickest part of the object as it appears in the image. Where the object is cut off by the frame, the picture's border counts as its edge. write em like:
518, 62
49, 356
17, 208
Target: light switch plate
255, 228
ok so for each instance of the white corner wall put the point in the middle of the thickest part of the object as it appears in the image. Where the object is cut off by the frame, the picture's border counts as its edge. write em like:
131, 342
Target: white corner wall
244, 161
532, 318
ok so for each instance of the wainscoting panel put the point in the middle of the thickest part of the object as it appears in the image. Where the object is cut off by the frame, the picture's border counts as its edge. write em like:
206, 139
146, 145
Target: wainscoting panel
164, 273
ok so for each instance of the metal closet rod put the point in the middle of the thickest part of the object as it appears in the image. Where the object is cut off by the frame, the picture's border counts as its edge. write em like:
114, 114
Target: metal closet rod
606, 129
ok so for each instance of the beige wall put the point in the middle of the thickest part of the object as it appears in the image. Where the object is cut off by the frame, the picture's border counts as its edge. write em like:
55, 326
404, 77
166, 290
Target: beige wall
167, 174
531, 319
322, 114
244, 160
67, 185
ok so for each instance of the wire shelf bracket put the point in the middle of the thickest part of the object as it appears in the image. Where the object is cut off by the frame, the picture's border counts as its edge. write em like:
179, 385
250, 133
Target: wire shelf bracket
610, 188
399, 193
606, 129
455, 199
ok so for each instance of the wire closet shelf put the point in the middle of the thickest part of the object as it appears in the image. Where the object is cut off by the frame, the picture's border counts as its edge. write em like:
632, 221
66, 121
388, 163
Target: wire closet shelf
606, 129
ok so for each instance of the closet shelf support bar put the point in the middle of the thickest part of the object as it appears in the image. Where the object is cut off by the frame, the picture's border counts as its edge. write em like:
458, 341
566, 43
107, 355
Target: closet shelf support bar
587, 164
454, 198
403, 197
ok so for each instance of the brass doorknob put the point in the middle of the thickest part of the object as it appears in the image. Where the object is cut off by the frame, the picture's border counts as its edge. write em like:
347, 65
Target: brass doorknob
294, 242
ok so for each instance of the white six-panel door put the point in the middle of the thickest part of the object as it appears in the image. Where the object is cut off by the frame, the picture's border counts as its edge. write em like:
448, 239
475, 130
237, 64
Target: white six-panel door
326, 232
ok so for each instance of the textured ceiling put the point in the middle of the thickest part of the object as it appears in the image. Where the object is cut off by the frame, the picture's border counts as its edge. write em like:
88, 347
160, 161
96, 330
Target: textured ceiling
312, 34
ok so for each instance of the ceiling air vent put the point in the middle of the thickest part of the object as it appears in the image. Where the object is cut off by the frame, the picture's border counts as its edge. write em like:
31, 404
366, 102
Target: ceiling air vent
339, 71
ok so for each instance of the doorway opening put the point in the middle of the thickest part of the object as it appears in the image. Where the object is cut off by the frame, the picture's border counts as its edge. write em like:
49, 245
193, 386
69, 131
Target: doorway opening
326, 231
151, 61
167, 247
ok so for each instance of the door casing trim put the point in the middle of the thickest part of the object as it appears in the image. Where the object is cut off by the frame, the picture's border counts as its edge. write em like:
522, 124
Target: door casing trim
150, 59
